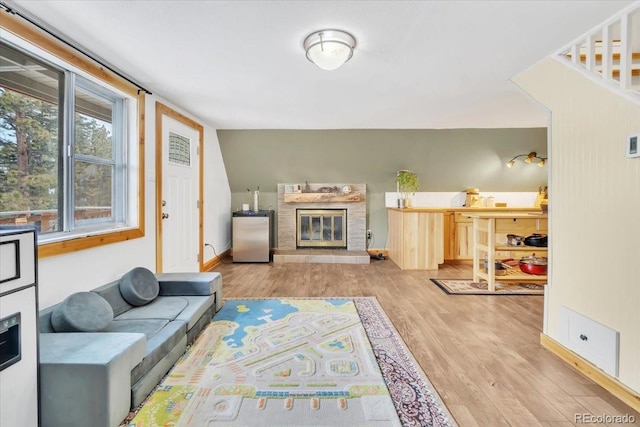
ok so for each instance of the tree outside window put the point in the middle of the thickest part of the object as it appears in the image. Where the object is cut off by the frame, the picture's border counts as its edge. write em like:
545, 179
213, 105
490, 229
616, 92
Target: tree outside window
37, 159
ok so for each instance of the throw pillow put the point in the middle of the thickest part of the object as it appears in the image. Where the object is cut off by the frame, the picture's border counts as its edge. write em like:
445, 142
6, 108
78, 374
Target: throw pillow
82, 312
139, 286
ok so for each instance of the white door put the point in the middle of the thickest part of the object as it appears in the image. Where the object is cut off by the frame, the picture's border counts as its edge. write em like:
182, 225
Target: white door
179, 205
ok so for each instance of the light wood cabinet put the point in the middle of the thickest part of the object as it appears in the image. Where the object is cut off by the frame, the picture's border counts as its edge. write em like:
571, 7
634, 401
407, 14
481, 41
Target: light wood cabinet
458, 230
422, 238
415, 238
447, 233
462, 237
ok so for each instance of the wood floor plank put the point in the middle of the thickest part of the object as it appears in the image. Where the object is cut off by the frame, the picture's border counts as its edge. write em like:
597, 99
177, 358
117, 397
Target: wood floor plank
481, 353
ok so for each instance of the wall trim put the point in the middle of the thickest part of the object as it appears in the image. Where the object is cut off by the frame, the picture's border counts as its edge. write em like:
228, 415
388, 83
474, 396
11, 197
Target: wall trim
606, 381
208, 266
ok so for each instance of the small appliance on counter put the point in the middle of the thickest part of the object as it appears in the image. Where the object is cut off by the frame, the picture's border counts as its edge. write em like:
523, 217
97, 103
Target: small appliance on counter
473, 197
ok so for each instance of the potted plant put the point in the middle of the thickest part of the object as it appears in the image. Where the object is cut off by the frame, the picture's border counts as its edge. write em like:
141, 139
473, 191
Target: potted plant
407, 183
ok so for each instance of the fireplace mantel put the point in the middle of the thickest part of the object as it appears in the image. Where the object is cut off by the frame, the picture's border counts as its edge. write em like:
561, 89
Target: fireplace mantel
354, 203
322, 197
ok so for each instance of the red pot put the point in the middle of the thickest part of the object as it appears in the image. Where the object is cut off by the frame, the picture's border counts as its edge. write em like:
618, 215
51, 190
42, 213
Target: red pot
534, 265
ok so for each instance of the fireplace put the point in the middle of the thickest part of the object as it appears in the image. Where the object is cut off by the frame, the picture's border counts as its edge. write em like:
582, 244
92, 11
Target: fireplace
324, 228
314, 197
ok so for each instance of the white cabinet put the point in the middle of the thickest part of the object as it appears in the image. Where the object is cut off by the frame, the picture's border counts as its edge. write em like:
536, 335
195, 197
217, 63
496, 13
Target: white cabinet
19, 404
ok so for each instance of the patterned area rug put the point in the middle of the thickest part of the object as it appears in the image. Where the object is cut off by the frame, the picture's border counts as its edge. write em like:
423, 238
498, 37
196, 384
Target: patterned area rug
469, 287
296, 362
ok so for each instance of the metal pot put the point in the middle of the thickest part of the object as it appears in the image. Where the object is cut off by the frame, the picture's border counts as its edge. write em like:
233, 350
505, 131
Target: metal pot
534, 265
500, 269
514, 240
539, 240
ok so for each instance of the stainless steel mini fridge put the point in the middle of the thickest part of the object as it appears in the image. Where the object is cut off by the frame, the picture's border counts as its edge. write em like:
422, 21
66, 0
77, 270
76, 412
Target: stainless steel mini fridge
252, 234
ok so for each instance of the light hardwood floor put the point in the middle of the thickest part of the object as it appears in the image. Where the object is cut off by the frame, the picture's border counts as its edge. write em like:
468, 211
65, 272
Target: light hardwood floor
481, 353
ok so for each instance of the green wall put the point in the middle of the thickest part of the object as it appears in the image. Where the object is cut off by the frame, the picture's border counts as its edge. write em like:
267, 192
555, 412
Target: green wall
444, 159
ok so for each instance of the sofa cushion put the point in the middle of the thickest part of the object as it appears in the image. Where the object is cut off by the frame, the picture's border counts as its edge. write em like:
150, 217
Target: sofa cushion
82, 312
148, 327
148, 382
111, 292
139, 286
160, 308
202, 284
196, 308
158, 347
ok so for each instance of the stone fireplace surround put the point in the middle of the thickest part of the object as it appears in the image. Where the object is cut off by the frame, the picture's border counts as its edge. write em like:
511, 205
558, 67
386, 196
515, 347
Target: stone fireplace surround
356, 213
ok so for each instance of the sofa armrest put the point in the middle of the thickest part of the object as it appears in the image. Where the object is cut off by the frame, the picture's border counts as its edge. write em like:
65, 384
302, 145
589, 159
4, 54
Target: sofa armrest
194, 284
87, 376
92, 347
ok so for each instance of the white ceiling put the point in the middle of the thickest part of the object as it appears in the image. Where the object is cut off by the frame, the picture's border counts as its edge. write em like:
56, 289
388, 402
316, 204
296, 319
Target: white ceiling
417, 64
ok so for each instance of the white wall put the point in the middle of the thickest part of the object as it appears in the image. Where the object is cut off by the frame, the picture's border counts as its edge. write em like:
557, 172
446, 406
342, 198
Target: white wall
594, 206
458, 199
62, 275
217, 197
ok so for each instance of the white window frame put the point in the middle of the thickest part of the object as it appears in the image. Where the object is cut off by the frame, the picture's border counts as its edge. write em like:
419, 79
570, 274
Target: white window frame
118, 160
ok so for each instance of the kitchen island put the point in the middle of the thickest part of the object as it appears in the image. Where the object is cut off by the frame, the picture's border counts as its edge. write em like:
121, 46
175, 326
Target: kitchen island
489, 240
423, 238
415, 237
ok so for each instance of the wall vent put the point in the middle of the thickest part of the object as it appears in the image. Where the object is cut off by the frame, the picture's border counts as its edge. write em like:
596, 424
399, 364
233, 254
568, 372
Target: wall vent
593, 341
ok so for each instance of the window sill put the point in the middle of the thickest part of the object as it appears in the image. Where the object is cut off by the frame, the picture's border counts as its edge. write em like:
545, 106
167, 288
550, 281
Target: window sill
85, 241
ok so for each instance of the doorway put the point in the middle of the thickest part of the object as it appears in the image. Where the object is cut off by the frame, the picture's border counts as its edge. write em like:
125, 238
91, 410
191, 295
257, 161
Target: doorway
179, 192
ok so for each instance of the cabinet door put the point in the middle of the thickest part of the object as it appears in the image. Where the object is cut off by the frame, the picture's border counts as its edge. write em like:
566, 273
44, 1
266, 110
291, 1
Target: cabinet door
449, 235
463, 243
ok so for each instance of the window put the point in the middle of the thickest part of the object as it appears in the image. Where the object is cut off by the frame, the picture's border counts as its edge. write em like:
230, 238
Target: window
99, 166
30, 137
70, 149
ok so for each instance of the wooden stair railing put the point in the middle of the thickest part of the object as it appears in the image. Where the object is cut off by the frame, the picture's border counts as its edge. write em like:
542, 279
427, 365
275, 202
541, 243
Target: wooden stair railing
615, 70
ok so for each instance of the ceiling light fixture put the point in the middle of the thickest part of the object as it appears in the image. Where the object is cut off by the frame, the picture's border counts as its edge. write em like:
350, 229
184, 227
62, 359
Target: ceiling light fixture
529, 158
329, 49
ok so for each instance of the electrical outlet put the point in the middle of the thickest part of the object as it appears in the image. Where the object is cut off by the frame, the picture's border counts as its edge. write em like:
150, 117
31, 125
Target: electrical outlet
368, 234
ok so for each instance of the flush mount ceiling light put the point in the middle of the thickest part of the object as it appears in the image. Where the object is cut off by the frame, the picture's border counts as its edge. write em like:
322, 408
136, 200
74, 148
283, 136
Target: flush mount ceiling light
329, 49
529, 158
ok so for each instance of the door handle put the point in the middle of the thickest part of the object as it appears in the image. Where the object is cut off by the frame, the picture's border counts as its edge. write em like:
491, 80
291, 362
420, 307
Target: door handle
164, 203
165, 215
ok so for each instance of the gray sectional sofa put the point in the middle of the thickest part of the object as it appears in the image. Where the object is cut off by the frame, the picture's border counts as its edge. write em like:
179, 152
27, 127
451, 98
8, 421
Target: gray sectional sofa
102, 352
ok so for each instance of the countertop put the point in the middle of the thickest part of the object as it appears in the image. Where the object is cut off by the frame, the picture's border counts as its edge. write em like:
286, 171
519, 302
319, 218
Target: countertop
496, 215
468, 209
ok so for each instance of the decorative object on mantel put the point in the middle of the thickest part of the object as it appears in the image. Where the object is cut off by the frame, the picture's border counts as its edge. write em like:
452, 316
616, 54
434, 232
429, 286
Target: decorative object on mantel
324, 194
293, 188
407, 184
529, 158
321, 197
327, 190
